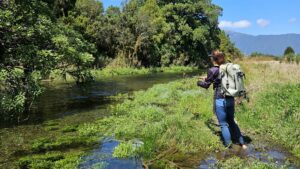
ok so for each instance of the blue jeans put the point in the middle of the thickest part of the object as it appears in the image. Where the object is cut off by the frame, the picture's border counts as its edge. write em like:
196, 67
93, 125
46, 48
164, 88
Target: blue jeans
224, 109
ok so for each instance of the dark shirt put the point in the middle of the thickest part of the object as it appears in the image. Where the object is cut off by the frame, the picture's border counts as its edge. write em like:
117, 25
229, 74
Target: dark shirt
212, 78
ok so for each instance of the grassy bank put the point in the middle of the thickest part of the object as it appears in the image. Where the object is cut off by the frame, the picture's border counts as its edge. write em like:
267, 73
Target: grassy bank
274, 110
173, 120
108, 72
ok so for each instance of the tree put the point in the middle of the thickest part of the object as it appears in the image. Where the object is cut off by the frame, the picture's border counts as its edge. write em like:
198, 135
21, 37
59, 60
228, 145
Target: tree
298, 59
33, 45
289, 54
226, 46
289, 50
290, 57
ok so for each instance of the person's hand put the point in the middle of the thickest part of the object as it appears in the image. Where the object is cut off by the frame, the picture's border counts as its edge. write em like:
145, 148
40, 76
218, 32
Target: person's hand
201, 78
238, 100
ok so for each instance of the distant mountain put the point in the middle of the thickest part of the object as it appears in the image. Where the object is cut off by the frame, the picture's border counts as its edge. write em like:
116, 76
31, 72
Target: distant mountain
266, 44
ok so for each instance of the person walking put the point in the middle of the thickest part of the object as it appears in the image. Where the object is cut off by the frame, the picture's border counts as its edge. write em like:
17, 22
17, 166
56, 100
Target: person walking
223, 105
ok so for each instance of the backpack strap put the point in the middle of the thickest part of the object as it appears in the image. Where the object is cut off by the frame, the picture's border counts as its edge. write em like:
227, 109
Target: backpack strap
227, 82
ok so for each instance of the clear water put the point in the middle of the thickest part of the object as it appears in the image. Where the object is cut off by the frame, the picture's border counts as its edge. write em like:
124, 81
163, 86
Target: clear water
258, 151
103, 157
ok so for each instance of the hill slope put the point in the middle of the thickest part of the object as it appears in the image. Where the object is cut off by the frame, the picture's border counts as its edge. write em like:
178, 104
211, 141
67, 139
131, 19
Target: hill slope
267, 44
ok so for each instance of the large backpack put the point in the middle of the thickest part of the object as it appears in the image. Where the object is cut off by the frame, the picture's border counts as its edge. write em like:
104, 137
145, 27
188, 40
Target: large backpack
232, 80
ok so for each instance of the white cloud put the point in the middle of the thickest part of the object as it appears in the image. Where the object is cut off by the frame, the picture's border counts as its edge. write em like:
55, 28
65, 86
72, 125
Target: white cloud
292, 20
238, 24
262, 22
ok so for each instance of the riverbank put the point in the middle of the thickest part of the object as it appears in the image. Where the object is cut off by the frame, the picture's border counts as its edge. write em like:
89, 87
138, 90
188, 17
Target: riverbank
108, 72
172, 121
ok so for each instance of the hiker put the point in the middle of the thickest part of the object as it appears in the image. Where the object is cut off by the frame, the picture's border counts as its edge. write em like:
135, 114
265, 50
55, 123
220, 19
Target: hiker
223, 105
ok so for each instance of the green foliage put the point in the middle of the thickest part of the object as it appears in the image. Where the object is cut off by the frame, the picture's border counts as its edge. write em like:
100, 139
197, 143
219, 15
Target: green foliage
298, 59
125, 150
289, 55
258, 54
226, 46
289, 50
290, 58
70, 37
275, 120
32, 44
108, 72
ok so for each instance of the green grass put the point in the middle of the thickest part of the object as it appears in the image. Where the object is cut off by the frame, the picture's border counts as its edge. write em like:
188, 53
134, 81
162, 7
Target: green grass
109, 72
276, 115
274, 109
56, 77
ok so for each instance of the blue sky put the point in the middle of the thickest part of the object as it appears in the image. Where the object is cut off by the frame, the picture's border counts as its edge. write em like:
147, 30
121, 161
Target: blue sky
254, 16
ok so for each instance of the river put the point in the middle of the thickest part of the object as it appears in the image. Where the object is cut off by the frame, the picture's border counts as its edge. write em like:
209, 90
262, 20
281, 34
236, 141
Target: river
70, 104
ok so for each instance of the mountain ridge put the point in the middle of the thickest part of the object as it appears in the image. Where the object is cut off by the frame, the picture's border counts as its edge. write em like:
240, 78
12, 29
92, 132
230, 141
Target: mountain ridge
266, 44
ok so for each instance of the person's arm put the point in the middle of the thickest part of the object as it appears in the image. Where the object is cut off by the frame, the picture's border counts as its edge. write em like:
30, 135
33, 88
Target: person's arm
207, 81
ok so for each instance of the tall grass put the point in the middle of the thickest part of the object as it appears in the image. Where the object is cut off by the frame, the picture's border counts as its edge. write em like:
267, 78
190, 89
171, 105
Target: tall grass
275, 107
260, 75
